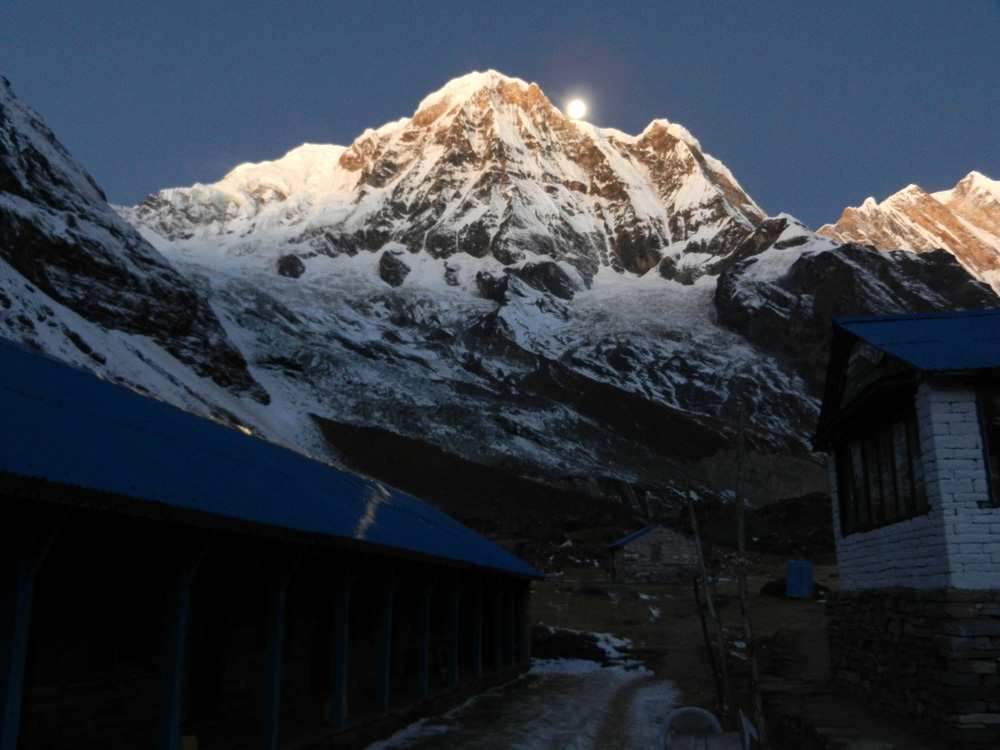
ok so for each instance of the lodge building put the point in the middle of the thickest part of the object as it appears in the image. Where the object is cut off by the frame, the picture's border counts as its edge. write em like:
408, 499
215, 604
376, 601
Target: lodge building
168, 581
911, 419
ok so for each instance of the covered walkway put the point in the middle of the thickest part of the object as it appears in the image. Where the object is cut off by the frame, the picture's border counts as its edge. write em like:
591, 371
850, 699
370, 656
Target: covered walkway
164, 575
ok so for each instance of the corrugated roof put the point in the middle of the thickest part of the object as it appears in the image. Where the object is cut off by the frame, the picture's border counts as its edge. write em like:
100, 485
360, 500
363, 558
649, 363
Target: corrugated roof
65, 425
967, 340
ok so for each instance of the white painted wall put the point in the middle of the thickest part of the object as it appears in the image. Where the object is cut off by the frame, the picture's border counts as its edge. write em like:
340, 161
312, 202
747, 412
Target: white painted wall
957, 544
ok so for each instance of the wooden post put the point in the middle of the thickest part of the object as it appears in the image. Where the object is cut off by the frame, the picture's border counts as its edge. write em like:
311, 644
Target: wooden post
713, 654
27, 543
741, 578
498, 628
477, 629
717, 646
524, 623
425, 592
18, 591
510, 639
187, 558
385, 640
278, 580
340, 651
454, 600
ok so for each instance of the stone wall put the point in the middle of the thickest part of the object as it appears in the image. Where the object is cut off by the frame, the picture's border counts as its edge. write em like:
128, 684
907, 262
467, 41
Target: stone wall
951, 438
957, 543
932, 657
660, 554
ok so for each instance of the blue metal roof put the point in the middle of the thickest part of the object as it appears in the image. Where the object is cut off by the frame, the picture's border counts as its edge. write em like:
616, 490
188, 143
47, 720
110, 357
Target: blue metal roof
65, 425
967, 340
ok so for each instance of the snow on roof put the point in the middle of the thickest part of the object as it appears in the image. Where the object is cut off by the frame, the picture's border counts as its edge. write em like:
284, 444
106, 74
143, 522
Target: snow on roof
965, 340
68, 426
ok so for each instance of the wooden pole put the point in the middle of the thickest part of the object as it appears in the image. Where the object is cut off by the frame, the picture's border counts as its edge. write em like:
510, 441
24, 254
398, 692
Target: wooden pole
717, 645
741, 577
713, 655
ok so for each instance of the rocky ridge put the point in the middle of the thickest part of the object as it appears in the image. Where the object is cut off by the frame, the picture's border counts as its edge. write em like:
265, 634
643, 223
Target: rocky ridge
964, 221
80, 282
486, 167
488, 284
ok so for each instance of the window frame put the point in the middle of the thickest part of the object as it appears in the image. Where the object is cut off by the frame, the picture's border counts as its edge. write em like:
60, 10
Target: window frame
988, 413
890, 488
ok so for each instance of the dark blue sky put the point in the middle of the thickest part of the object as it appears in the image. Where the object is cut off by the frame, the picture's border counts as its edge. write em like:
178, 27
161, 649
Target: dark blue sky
813, 106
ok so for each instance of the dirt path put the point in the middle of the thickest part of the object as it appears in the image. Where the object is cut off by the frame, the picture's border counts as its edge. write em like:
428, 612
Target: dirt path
632, 718
581, 708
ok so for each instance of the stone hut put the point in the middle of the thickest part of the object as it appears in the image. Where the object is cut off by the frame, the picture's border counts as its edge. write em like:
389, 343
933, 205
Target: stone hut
656, 553
911, 418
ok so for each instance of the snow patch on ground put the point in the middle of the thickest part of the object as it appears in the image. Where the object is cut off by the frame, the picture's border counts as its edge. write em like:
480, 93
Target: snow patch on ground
546, 711
560, 704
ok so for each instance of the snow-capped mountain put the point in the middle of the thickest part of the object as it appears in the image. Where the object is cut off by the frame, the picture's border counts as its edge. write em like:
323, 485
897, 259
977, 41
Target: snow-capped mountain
965, 221
486, 289
78, 282
486, 167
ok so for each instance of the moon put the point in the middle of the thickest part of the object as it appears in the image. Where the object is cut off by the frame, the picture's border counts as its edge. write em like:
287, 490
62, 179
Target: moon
576, 109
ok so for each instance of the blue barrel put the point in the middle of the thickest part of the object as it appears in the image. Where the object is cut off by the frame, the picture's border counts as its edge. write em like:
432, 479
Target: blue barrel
799, 580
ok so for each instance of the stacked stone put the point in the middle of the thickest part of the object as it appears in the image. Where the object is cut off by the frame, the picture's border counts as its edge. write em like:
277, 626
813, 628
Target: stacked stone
957, 484
675, 554
930, 656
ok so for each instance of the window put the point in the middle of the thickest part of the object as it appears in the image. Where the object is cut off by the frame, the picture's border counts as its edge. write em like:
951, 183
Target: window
656, 552
880, 476
989, 415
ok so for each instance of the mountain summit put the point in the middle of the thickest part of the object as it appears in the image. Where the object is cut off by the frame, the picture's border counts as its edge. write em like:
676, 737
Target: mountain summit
523, 318
965, 221
486, 166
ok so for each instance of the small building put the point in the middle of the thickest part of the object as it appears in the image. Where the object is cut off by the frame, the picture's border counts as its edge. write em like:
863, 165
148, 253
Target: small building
656, 553
911, 418
163, 576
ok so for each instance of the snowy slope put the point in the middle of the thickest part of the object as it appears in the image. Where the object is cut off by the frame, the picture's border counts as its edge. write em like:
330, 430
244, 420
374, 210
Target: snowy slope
485, 280
78, 282
965, 221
